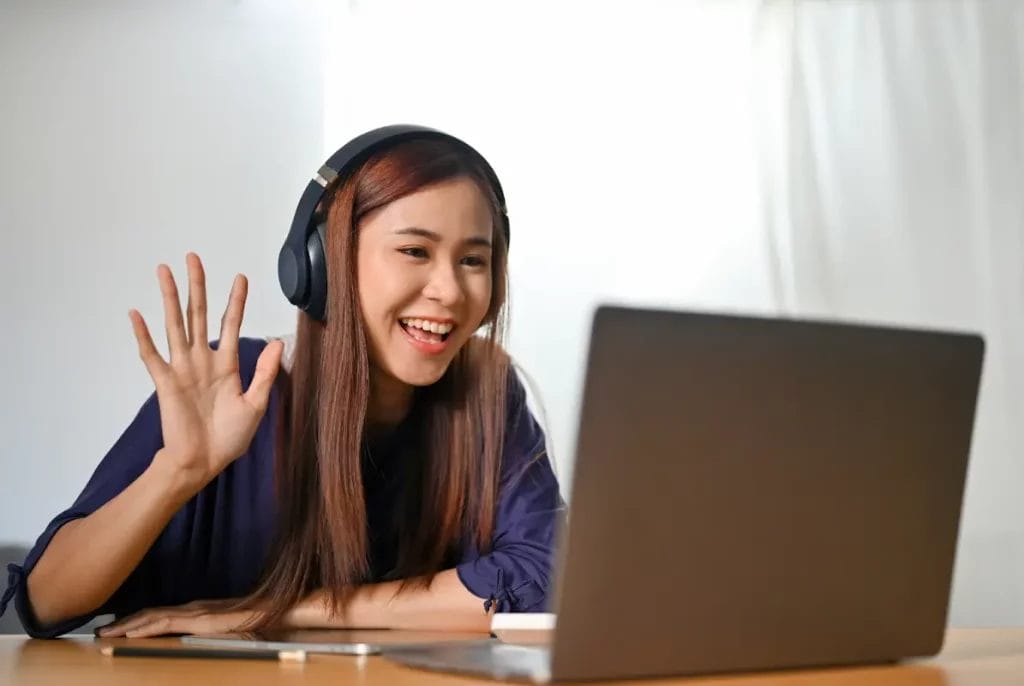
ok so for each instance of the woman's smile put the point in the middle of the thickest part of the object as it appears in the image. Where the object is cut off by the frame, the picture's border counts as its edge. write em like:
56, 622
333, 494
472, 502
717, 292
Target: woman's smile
427, 336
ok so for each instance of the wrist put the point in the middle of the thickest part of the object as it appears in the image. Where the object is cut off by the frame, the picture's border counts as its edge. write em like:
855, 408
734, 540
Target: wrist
308, 613
315, 612
178, 483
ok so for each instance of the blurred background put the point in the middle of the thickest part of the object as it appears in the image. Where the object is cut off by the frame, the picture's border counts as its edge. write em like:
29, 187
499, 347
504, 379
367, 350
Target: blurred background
859, 160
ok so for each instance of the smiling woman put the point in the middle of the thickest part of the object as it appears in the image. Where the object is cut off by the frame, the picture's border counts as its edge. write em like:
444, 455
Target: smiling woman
390, 476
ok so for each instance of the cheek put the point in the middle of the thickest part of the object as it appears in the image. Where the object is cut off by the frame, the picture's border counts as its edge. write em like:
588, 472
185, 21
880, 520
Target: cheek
377, 286
480, 297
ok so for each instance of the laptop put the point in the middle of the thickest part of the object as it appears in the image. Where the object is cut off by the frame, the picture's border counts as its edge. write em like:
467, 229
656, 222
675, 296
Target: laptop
752, 494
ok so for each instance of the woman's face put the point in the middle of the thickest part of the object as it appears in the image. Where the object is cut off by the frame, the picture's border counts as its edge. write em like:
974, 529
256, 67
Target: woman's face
424, 273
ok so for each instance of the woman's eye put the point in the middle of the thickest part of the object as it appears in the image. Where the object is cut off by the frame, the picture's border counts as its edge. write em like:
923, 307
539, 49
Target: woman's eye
413, 252
474, 261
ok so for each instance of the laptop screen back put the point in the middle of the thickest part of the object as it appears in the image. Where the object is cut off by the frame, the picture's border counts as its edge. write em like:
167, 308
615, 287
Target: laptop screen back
761, 493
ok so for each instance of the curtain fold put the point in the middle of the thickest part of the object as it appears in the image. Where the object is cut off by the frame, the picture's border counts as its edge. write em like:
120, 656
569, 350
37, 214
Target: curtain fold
892, 162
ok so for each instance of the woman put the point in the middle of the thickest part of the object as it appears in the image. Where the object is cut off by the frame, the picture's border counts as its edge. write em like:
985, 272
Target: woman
387, 473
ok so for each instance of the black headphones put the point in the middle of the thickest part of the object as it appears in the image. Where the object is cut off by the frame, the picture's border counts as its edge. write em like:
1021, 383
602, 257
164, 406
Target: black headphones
302, 264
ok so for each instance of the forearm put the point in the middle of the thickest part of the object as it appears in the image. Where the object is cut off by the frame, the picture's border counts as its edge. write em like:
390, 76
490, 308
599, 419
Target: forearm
445, 606
89, 558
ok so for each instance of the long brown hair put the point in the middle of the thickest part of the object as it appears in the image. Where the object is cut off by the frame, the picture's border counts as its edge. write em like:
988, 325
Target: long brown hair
322, 540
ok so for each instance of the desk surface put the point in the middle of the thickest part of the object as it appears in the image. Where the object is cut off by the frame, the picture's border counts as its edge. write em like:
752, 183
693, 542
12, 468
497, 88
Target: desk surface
971, 656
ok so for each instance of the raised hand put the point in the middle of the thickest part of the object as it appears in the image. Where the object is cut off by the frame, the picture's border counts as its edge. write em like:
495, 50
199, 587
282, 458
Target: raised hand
207, 420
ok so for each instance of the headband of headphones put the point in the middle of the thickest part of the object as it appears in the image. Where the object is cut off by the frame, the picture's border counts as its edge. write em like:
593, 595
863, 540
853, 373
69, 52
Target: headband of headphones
301, 264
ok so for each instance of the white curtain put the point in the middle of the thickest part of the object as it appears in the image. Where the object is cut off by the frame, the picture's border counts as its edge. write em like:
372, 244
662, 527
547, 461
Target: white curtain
893, 168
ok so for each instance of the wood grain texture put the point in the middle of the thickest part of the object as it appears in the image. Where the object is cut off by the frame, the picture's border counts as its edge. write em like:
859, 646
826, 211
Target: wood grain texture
993, 657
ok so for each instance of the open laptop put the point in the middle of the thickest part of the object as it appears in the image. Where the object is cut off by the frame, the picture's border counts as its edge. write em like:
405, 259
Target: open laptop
752, 494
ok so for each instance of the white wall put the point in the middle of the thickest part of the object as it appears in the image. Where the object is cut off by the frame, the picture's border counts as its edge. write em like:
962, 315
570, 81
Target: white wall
132, 132
627, 162
194, 126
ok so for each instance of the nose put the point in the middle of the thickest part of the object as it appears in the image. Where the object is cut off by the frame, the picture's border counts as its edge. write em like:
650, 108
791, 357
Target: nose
443, 286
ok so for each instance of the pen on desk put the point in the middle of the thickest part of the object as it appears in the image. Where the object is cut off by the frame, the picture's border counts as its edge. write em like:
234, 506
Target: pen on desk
139, 651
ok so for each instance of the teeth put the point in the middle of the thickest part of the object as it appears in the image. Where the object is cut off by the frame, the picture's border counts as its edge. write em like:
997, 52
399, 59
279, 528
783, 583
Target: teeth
425, 325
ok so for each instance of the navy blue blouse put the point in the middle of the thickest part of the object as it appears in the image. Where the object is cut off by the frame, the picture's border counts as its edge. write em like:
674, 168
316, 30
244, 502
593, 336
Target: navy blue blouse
215, 546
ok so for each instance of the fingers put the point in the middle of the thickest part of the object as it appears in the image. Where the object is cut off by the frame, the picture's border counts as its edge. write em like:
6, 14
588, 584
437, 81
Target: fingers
267, 366
131, 622
231, 323
196, 301
159, 619
203, 623
157, 627
155, 364
152, 626
178, 338
177, 341
186, 619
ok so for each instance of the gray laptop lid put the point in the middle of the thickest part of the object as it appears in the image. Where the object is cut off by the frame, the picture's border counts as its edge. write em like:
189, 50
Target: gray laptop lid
760, 493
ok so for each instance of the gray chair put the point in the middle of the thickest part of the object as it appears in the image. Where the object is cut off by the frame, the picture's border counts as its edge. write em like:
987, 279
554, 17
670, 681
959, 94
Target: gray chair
9, 622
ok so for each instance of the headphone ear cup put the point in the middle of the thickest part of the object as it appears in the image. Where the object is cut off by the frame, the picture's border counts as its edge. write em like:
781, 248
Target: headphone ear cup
316, 304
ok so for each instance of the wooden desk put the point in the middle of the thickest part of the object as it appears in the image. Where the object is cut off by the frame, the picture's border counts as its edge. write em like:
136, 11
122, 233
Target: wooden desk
994, 657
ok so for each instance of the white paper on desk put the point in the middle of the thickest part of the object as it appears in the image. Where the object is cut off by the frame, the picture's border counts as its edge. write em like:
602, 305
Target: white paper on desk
528, 628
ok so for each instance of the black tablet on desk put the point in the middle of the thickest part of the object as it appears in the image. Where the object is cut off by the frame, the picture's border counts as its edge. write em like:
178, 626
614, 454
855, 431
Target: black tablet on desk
333, 641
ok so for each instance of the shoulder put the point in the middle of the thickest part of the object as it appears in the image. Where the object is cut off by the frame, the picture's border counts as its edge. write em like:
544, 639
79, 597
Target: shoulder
249, 349
520, 394
525, 439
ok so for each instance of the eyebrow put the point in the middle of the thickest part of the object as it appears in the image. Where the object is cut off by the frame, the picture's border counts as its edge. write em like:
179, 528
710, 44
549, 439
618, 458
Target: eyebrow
436, 237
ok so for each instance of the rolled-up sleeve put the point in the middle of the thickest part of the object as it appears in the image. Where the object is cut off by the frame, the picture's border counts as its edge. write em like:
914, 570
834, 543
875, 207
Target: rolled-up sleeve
128, 458
213, 547
515, 574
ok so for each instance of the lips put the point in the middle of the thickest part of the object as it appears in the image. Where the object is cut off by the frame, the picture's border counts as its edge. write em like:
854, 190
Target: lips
424, 335
425, 341
434, 326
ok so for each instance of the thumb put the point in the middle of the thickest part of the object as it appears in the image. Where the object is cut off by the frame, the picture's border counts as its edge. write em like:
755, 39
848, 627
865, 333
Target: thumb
267, 366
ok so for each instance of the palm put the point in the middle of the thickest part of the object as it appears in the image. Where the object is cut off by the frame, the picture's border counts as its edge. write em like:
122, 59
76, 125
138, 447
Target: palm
207, 420
213, 420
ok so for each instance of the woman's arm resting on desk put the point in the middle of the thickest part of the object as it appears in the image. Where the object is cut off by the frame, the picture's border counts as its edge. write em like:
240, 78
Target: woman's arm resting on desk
89, 558
202, 420
445, 606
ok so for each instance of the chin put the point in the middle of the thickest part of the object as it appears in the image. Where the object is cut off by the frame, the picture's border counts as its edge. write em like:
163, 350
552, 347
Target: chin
422, 377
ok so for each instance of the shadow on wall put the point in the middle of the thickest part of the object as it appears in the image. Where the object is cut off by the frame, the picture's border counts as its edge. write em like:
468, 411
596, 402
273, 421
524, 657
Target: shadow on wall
9, 622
